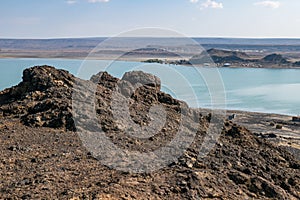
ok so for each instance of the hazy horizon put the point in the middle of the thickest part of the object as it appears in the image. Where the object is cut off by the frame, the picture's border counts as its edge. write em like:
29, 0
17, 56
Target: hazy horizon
193, 37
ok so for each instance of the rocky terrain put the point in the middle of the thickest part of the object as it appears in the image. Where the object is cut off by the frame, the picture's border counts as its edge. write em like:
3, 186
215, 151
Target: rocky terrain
44, 157
240, 59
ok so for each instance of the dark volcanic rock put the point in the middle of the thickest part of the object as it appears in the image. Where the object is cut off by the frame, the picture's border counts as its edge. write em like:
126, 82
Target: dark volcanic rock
226, 53
139, 77
275, 58
104, 79
38, 80
219, 56
43, 98
241, 165
296, 64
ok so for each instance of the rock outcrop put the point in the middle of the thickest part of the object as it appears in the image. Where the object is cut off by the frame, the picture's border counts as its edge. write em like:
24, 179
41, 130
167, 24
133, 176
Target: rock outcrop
241, 165
220, 57
275, 59
42, 99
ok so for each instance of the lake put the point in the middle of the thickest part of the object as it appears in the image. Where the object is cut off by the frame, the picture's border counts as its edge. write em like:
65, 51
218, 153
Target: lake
260, 90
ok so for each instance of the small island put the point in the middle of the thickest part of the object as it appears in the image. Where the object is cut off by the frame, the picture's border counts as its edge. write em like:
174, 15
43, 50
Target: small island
228, 58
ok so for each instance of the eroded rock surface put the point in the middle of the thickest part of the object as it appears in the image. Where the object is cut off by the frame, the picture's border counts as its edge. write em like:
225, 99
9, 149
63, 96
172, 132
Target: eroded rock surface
42, 156
42, 99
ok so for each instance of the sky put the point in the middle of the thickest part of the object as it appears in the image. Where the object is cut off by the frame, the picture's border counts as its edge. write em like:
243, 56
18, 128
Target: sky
192, 18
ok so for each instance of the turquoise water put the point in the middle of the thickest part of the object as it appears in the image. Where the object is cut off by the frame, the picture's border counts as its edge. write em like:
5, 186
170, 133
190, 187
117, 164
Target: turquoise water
261, 90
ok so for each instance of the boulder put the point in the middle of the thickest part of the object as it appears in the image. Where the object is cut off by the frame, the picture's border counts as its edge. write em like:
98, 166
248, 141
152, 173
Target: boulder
142, 79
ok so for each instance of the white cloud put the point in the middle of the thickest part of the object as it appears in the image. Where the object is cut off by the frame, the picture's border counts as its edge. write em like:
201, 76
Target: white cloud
98, 1
71, 1
268, 4
194, 1
211, 4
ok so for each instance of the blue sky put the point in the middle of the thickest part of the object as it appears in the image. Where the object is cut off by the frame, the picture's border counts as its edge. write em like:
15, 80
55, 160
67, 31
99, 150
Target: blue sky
197, 18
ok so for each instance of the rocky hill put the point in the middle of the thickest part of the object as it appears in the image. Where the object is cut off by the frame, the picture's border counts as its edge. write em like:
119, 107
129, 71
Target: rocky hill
42, 155
276, 59
42, 99
227, 53
220, 57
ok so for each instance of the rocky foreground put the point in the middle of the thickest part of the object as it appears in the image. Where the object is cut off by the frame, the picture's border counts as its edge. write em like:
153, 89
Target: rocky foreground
42, 155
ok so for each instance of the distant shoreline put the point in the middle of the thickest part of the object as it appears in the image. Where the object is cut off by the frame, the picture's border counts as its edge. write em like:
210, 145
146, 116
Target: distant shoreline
138, 59
239, 52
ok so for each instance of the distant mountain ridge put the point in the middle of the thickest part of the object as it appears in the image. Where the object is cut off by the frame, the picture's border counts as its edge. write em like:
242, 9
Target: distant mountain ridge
94, 41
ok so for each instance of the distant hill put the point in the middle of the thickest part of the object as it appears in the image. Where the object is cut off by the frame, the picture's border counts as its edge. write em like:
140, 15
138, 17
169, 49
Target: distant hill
221, 57
275, 58
226, 53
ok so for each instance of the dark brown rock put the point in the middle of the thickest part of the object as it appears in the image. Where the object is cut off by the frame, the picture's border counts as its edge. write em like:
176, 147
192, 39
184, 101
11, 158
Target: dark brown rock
42, 159
139, 77
44, 98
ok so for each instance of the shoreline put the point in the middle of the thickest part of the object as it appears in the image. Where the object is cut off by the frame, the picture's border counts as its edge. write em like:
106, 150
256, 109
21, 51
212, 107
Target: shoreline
41, 132
255, 121
276, 128
141, 60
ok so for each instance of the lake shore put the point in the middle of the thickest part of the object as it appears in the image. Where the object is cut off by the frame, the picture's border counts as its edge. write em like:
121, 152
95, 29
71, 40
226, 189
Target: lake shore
265, 123
173, 60
278, 128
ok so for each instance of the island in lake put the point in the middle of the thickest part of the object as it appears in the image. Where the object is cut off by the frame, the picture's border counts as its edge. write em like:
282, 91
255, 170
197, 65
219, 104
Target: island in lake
228, 58
228, 52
